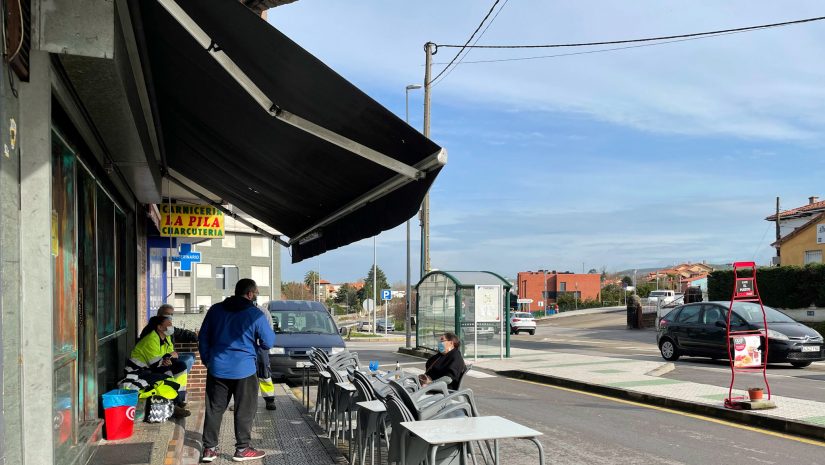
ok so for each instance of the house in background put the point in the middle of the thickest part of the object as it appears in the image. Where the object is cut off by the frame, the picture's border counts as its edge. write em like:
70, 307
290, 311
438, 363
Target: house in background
805, 244
796, 222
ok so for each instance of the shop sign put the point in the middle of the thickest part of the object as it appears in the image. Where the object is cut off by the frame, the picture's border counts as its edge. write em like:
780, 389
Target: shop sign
191, 221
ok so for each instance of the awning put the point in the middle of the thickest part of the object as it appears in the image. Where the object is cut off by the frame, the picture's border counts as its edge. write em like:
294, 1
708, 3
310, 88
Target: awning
324, 164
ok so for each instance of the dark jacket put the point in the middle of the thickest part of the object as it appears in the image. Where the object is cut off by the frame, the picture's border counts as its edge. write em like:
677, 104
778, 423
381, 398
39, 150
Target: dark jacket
450, 364
230, 336
184, 335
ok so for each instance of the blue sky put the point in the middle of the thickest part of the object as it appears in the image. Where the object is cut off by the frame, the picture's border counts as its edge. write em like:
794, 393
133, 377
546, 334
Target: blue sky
633, 158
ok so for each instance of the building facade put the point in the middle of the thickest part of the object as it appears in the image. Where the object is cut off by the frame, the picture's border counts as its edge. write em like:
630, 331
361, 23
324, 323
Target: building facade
240, 254
545, 287
805, 244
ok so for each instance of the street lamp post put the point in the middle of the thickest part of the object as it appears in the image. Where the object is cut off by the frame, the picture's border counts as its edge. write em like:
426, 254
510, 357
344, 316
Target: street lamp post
408, 297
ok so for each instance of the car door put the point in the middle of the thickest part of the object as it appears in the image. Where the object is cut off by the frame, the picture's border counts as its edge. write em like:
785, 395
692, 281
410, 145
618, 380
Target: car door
710, 335
687, 328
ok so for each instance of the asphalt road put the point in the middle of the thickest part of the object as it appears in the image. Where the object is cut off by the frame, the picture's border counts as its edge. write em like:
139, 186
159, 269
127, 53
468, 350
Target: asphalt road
581, 428
606, 335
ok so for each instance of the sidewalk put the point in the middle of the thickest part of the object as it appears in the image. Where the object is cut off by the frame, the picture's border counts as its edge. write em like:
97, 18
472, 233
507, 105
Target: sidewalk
640, 381
287, 435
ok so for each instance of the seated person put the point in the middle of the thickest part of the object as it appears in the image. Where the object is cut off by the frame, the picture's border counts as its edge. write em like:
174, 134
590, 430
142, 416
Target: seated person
181, 335
447, 362
154, 359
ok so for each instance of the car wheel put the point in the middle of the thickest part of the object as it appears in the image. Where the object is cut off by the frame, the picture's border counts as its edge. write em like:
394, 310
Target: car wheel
532, 332
800, 364
668, 350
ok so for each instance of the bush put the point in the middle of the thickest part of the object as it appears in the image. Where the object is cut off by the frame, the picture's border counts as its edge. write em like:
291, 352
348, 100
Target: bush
781, 287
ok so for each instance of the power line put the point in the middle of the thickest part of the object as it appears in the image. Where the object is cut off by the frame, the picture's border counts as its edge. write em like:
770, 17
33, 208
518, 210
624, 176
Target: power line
647, 39
602, 50
466, 43
474, 42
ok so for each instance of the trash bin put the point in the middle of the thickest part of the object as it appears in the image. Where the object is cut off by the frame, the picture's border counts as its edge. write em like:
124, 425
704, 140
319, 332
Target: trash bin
119, 413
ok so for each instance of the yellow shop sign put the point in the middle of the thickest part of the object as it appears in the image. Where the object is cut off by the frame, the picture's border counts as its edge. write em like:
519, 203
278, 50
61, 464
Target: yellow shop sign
190, 221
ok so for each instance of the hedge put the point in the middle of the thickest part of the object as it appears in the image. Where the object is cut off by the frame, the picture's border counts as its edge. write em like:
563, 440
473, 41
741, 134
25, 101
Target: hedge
781, 287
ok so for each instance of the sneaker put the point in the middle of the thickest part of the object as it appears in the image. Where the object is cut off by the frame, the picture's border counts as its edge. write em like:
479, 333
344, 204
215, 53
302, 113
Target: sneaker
250, 453
181, 412
270, 405
209, 454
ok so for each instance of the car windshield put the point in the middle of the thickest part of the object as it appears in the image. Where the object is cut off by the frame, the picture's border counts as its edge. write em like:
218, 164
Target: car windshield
524, 315
307, 322
753, 314
658, 294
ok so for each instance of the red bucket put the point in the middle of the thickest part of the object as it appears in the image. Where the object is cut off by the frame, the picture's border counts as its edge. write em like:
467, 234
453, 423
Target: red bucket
119, 413
120, 422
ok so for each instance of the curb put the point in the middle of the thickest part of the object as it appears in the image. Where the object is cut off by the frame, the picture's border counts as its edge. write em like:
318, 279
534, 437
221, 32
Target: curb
375, 339
416, 352
781, 425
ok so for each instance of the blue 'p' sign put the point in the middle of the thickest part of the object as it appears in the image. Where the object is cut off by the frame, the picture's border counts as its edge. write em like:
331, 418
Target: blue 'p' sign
386, 294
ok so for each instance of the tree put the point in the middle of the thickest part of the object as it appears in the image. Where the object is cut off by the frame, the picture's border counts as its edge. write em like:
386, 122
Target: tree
293, 291
311, 281
627, 281
381, 280
593, 271
347, 296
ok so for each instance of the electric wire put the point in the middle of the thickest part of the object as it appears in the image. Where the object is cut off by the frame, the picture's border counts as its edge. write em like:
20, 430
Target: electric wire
588, 52
434, 83
466, 43
646, 39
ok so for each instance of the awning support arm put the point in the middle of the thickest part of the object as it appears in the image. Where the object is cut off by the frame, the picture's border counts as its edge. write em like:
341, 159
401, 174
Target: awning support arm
436, 160
227, 212
211, 47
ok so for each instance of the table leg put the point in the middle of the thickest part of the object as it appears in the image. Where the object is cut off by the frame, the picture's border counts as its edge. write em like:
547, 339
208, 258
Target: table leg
495, 448
541, 449
433, 450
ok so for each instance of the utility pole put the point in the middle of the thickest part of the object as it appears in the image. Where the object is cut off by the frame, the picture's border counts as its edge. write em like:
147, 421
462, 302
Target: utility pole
374, 284
408, 296
778, 235
425, 206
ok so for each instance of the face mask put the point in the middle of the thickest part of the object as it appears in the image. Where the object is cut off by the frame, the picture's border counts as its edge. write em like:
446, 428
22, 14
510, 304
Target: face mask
170, 331
441, 347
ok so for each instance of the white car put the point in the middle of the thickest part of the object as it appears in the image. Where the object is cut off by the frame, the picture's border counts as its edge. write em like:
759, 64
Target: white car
522, 321
663, 296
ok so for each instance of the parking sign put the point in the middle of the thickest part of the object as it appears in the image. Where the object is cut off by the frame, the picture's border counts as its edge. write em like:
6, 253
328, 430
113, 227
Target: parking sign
386, 294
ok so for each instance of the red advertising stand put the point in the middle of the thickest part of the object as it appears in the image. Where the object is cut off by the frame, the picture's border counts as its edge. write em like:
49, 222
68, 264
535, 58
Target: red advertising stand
747, 349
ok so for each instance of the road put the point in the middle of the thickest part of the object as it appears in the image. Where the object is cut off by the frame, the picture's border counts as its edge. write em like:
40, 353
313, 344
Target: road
606, 335
582, 428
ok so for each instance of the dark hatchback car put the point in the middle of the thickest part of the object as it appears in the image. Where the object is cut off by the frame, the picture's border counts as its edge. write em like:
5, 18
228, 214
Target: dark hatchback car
300, 325
699, 330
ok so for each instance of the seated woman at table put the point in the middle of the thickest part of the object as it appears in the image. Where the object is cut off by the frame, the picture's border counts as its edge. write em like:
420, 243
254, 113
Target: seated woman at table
447, 362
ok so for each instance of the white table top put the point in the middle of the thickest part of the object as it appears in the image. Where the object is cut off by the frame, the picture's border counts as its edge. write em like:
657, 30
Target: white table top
373, 405
451, 430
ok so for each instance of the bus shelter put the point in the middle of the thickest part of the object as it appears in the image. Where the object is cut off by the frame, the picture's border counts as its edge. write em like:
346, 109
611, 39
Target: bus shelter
471, 304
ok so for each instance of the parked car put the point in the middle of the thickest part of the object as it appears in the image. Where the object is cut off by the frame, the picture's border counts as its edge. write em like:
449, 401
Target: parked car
363, 326
299, 326
522, 321
699, 330
381, 324
663, 296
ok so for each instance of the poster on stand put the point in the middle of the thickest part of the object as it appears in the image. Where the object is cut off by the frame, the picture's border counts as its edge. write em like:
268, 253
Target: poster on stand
746, 353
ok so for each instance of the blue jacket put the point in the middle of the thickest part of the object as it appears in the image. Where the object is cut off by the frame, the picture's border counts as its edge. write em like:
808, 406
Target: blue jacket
230, 336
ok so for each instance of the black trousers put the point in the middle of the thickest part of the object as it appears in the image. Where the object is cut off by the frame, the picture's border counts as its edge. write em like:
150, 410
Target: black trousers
218, 393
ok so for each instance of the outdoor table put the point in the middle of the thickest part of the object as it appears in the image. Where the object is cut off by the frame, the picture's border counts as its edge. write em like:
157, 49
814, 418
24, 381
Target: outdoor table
370, 417
438, 433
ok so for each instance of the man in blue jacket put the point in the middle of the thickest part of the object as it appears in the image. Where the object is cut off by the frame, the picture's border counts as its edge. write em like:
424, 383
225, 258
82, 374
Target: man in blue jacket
229, 338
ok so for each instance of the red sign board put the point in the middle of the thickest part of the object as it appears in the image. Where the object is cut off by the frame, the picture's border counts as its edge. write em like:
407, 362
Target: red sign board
744, 287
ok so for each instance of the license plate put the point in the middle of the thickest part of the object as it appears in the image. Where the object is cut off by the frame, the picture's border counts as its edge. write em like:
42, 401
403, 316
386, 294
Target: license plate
810, 348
